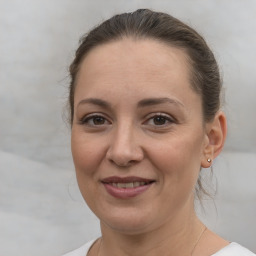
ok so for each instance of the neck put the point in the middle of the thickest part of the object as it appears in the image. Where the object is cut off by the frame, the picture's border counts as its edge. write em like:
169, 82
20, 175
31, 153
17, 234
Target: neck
176, 237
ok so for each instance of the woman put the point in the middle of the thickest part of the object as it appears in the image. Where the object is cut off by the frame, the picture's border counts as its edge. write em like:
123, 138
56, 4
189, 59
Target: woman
145, 116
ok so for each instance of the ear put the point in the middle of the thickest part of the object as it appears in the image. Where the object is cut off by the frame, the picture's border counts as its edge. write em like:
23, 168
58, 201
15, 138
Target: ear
215, 137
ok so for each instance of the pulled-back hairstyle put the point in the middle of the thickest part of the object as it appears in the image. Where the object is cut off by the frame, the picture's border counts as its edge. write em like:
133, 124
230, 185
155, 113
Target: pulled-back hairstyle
146, 24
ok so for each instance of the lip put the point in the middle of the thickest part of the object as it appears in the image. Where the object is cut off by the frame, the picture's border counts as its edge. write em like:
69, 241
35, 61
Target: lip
128, 192
117, 179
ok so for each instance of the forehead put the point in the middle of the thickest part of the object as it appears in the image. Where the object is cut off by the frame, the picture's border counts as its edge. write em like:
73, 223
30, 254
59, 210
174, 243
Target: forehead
142, 65
153, 54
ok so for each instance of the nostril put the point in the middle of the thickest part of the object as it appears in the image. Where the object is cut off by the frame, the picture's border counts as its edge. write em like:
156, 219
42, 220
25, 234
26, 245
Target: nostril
123, 163
124, 154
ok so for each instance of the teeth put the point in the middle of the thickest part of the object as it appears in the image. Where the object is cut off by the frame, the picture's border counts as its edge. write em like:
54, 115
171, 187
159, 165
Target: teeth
136, 184
122, 185
129, 185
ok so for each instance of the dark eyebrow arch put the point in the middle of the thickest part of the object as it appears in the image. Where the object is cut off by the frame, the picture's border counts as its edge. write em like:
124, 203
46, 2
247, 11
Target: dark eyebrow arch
95, 101
157, 101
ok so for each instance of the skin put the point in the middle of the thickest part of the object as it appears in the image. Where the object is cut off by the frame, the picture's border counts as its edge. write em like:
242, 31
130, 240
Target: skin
165, 140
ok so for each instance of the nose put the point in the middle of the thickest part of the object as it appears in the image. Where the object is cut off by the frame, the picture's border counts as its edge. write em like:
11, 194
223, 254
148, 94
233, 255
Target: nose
124, 149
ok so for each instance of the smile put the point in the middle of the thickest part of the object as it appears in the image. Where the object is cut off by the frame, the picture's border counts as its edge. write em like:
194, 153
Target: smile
126, 187
129, 185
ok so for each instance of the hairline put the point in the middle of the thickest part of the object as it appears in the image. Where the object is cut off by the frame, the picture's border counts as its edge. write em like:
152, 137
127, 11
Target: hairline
189, 61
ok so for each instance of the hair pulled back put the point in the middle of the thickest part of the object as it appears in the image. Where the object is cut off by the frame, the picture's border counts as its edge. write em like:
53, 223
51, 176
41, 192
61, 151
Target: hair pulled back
147, 24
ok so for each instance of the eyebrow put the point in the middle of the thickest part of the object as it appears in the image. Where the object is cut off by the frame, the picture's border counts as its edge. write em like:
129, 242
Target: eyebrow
141, 103
95, 101
157, 101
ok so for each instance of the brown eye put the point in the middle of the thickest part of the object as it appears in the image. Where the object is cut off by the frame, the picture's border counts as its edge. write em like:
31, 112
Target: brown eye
94, 120
160, 120
98, 120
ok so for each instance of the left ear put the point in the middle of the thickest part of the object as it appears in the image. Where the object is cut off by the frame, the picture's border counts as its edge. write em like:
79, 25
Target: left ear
215, 137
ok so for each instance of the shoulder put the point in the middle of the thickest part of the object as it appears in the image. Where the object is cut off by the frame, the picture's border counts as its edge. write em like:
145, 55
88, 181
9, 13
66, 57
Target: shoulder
234, 249
81, 251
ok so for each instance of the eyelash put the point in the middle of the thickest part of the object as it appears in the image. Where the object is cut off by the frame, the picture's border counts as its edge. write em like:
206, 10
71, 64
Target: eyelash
166, 118
85, 120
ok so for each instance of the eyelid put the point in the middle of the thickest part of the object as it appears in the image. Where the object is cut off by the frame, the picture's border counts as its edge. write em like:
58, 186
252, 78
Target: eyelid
168, 117
90, 116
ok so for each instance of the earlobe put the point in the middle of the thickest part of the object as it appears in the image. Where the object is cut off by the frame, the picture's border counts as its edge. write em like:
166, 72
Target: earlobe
216, 132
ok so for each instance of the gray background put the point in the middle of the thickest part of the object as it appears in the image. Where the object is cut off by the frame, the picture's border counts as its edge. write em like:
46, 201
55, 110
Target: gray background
41, 210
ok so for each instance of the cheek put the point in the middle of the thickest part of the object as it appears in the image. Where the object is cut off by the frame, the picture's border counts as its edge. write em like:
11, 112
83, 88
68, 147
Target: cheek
87, 153
178, 162
179, 157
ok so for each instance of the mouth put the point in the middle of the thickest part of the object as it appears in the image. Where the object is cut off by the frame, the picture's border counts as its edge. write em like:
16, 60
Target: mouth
126, 187
130, 184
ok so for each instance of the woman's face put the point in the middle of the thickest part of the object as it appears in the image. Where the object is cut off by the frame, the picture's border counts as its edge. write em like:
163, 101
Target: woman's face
138, 135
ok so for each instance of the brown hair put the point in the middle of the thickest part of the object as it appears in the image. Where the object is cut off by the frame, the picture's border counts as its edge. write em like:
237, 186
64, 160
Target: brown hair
144, 23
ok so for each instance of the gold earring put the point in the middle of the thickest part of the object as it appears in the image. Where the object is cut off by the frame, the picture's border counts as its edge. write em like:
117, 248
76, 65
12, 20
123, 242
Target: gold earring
209, 160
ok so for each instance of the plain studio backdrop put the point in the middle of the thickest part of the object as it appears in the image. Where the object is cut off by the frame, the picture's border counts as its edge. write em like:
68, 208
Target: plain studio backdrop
41, 211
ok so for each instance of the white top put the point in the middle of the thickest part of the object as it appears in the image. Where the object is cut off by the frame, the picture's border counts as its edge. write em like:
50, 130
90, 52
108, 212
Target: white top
233, 249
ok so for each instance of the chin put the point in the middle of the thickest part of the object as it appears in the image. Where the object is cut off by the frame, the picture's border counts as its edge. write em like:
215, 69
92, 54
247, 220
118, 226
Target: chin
128, 228
128, 222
